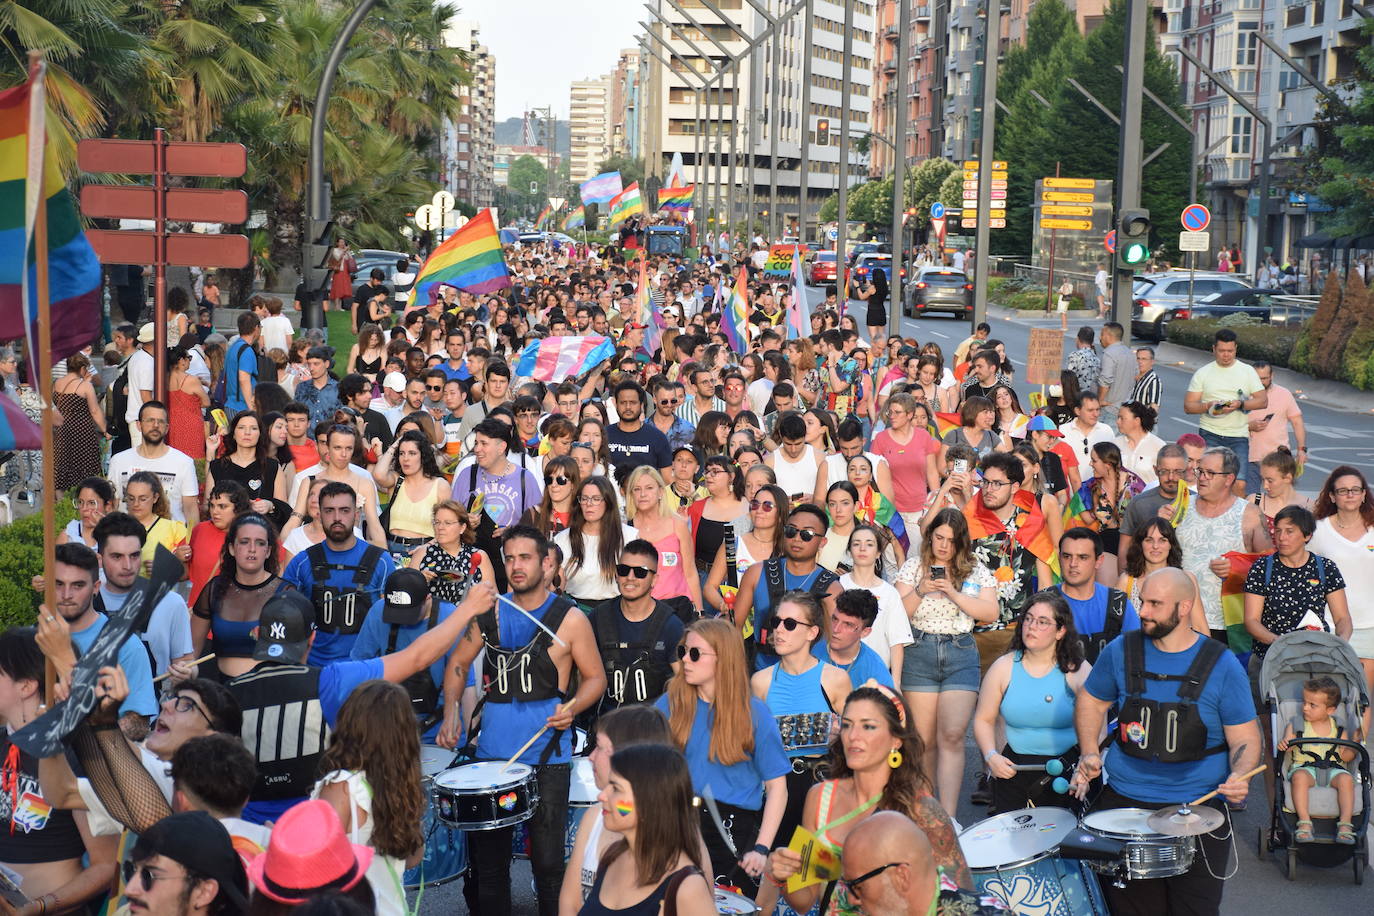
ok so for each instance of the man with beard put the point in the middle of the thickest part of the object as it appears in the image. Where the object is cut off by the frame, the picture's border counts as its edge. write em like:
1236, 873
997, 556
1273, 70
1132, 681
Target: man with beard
186, 865
174, 468
763, 585
632, 442
1171, 465
1186, 726
517, 707
342, 575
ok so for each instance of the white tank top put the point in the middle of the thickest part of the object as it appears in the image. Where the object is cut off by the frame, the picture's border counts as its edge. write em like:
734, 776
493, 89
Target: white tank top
800, 476
591, 854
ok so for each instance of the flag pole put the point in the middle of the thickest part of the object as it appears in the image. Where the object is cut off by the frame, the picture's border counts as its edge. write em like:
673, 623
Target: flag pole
42, 361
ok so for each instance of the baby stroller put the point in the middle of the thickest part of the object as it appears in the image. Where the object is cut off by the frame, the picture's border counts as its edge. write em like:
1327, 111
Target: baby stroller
1292, 659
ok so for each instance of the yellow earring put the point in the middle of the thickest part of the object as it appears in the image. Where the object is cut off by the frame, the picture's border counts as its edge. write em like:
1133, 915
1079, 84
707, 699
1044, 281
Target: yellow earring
894, 759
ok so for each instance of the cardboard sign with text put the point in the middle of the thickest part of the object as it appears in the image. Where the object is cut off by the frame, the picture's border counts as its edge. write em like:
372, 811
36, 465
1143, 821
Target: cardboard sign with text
1045, 356
779, 263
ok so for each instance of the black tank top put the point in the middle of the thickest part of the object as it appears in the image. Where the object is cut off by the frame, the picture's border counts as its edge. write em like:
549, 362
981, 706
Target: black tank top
646, 907
31, 829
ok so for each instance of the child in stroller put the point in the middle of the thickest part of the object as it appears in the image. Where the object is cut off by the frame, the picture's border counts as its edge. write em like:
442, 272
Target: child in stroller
1320, 764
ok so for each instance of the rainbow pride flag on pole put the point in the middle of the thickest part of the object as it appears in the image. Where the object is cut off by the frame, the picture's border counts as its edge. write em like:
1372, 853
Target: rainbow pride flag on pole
679, 199
29, 179
542, 221
648, 316
626, 204
735, 320
471, 260
575, 220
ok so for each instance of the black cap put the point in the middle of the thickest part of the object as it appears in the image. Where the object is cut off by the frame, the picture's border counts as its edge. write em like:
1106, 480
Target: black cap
691, 450
405, 593
202, 845
284, 628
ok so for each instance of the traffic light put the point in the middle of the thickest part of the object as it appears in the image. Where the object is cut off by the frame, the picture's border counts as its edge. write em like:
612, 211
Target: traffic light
823, 131
590, 214
1133, 238
322, 232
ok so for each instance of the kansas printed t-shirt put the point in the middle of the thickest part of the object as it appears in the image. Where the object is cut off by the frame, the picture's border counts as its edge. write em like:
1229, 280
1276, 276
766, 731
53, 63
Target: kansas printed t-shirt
504, 498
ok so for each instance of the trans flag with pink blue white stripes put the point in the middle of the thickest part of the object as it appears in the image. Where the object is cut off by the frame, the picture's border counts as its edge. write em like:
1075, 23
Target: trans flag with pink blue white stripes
559, 358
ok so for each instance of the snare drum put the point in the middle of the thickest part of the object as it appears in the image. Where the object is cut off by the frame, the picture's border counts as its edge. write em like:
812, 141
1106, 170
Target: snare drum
728, 902
446, 851
1015, 858
1146, 854
480, 796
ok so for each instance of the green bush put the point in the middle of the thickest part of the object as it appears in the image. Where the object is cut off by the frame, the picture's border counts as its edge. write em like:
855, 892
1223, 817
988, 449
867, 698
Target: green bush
21, 558
1024, 294
1255, 341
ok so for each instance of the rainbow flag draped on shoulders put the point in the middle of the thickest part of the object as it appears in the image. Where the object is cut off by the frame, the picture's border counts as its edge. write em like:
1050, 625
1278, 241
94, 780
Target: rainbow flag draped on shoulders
575, 220
734, 322
30, 179
877, 509
471, 260
1032, 532
679, 199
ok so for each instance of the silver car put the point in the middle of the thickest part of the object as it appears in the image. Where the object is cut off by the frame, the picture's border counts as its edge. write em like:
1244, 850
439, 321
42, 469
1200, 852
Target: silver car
1154, 297
939, 289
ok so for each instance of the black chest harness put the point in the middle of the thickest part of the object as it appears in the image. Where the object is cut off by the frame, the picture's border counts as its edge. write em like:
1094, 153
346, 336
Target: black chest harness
341, 610
1171, 732
635, 672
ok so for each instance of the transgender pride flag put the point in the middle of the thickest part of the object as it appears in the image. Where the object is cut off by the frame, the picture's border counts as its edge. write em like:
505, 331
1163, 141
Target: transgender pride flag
602, 189
559, 358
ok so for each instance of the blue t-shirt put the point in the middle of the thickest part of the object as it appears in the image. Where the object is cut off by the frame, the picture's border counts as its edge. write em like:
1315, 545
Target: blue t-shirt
336, 683
133, 658
240, 358
763, 606
868, 664
1225, 700
373, 638
1090, 616
461, 373
740, 784
507, 726
333, 647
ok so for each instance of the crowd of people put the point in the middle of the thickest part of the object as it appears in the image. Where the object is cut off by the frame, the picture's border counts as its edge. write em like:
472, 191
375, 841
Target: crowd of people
766, 594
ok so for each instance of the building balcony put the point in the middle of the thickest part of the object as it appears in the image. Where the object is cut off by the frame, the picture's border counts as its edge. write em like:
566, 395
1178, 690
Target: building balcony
920, 13
890, 33
890, 68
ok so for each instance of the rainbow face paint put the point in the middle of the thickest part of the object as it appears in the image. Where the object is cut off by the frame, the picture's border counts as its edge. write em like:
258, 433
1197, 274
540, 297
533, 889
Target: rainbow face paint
624, 809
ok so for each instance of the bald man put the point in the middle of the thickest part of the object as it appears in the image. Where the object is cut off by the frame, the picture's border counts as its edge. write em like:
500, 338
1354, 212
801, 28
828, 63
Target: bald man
1212, 737
889, 870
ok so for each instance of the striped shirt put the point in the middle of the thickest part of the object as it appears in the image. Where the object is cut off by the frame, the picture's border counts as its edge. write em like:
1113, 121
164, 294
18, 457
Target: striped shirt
688, 411
1148, 389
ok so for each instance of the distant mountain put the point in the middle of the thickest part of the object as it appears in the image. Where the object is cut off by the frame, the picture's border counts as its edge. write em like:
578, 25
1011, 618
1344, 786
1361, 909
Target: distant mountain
511, 132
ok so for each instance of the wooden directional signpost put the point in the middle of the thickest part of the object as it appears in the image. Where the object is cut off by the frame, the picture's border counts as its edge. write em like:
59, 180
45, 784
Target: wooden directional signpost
161, 204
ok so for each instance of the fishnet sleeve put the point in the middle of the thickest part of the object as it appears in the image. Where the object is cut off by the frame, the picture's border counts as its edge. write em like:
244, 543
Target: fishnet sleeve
127, 790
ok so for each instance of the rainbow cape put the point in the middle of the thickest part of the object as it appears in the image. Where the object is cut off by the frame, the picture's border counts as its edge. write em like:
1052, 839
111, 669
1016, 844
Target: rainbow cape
1032, 533
471, 260
734, 321
29, 179
877, 509
676, 198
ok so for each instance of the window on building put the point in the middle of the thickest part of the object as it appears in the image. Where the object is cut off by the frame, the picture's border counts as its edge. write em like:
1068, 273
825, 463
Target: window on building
1247, 43
462, 146
1241, 128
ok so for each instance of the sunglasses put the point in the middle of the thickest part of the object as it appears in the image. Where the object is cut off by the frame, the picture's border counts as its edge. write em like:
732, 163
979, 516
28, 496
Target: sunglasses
786, 623
767, 505
669, 402
624, 570
852, 887
559, 479
693, 653
806, 534
434, 387
146, 875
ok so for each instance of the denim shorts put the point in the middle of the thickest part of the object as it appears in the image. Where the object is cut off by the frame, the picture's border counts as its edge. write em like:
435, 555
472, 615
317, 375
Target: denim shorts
936, 662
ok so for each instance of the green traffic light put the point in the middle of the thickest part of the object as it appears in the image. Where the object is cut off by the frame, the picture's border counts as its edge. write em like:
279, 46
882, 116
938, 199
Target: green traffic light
1135, 253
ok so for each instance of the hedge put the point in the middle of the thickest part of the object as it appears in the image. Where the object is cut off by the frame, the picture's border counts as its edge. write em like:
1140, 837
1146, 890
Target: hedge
1024, 295
21, 558
1255, 341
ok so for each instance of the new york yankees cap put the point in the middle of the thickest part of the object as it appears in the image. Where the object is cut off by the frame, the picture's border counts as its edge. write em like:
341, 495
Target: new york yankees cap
284, 629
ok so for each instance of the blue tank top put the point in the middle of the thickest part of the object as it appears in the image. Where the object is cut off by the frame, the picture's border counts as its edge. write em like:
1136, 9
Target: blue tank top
1038, 711
763, 606
791, 694
507, 726
234, 638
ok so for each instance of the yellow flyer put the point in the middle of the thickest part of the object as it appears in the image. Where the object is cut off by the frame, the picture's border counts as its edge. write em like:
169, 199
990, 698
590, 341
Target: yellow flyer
818, 861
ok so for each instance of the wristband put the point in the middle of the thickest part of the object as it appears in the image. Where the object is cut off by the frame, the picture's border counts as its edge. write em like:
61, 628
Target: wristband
987, 754
761, 849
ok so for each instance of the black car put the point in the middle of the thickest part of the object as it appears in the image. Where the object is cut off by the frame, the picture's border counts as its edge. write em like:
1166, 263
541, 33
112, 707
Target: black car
1257, 303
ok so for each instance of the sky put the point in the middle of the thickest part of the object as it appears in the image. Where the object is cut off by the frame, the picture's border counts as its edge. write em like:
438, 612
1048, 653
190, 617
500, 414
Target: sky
542, 46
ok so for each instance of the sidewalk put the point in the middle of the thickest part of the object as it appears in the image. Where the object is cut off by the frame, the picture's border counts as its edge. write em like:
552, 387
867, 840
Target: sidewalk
1326, 393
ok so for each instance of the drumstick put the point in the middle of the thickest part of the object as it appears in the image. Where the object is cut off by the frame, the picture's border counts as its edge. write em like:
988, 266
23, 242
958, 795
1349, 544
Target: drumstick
530, 743
537, 622
1213, 794
203, 658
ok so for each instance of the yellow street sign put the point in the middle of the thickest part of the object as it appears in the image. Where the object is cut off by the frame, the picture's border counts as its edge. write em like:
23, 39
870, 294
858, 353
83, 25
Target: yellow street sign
1082, 224
973, 164
1063, 210
1085, 184
1066, 197
997, 175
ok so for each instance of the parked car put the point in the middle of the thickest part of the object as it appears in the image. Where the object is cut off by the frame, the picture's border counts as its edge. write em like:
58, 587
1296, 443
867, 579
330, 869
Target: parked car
939, 289
369, 258
1158, 296
822, 268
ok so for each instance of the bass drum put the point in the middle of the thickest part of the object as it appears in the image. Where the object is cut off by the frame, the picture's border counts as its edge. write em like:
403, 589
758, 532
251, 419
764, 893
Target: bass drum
1014, 857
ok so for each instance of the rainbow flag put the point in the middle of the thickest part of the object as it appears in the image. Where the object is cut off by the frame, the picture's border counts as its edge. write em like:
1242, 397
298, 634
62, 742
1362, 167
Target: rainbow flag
735, 319
798, 310
559, 358
600, 190
575, 220
946, 423
1233, 597
542, 221
1032, 532
648, 315
30, 178
676, 198
471, 260
626, 204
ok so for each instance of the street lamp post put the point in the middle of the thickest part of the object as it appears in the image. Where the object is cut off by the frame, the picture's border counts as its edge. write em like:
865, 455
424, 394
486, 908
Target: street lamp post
895, 298
846, 78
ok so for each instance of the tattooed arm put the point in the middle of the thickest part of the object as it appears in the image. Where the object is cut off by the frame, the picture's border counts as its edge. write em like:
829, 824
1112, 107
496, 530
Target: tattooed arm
939, 829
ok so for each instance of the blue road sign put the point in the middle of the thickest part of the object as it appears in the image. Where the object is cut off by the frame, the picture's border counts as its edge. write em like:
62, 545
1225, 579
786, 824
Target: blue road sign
832, 234
1195, 217
937, 210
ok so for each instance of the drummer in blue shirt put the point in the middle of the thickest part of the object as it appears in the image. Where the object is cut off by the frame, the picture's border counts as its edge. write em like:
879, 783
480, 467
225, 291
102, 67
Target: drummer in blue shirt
852, 619
1100, 613
733, 750
1174, 742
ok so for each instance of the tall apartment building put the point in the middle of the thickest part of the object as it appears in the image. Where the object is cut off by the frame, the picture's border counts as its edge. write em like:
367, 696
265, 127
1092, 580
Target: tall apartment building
624, 105
468, 144
743, 104
589, 121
